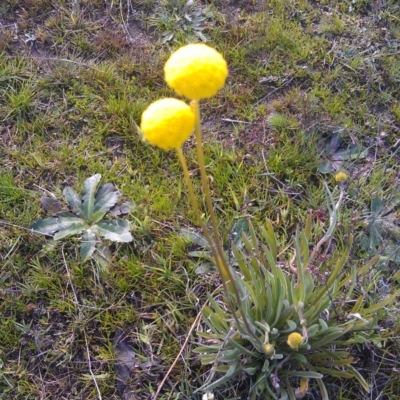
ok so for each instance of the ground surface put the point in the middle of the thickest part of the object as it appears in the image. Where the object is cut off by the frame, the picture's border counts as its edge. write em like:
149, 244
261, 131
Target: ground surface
75, 77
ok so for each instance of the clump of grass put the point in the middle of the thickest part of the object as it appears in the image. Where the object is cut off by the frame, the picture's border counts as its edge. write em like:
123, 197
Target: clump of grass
20, 102
280, 122
332, 25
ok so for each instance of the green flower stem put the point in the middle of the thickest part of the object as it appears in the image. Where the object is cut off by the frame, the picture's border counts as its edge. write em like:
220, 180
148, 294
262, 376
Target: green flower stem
204, 178
223, 268
195, 205
193, 199
229, 287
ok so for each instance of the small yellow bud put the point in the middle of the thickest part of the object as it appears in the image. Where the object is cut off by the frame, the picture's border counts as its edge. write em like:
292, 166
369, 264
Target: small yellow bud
340, 177
295, 340
269, 349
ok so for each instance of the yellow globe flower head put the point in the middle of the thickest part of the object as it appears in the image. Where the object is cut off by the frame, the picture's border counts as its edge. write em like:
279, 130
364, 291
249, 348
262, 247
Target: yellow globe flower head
167, 123
196, 71
340, 177
295, 340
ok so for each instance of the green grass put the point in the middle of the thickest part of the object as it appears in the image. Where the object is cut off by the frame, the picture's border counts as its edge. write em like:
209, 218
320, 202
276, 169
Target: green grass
70, 104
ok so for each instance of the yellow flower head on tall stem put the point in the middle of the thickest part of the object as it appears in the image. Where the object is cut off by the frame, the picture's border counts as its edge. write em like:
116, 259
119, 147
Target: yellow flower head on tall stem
167, 123
196, 71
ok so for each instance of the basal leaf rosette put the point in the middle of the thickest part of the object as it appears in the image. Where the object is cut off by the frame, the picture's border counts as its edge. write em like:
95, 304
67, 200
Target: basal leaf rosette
196, 71
167, 123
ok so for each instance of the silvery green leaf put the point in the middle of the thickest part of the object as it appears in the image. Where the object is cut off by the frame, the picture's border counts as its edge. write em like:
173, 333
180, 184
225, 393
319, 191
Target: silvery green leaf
207, 359
377, 206
74, 201
235, 236
71, 229
229, 355
88, 244
205, 268
233, 370
251, 370
323, 325
244, 350
276, 356
106, 198
201, 36
292, 326
167, 38
104, 189
49, 226
121, 209
210, 349
359, 377
195, 238
325, 167
351, 153
46, 226
66, 219
200, 254
334, 144
88, 195
116, 231
300, 357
